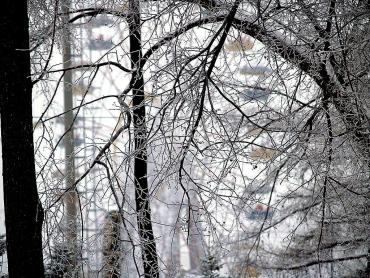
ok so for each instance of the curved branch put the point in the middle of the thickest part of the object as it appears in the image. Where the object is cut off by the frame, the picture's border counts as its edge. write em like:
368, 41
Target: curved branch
126, 109
118, 65
318, 262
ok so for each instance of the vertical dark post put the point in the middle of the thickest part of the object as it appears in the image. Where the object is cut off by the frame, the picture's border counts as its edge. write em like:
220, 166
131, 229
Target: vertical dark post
148, 246
23, 211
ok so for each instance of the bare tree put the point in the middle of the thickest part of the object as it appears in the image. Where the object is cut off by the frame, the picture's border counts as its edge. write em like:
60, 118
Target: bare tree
23, 210
251, 115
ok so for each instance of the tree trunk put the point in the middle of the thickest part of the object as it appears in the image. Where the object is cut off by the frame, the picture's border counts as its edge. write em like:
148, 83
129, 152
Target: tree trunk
23, 211
145, 229
111, 245
195, 240
70, 198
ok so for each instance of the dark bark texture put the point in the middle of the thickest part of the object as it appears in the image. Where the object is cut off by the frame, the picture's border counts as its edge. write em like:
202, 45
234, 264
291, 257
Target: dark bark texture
145, 229
23, 211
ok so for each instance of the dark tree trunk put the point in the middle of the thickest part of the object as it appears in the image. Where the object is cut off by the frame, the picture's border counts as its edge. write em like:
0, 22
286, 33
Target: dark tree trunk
23, 211
148, 246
